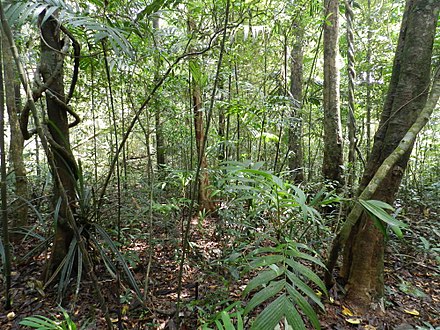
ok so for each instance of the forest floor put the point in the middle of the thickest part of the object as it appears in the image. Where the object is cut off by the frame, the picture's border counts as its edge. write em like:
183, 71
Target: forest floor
412, 285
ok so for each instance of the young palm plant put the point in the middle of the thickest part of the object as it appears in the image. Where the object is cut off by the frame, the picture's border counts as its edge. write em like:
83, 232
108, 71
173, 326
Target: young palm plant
283, 289
282, 280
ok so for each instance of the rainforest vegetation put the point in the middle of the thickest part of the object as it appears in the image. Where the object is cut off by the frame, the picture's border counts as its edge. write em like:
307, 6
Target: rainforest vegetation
220, 164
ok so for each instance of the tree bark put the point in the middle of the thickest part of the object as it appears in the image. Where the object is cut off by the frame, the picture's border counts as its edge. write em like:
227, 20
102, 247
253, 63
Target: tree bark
160, 141
408, 91
296, 165
351, 121
333, 153
203, 196
16, 145
51, 44
197, 107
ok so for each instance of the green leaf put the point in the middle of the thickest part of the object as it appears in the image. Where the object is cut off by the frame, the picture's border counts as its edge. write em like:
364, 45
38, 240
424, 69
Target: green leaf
227, 321
240, 323
219, 325
304, 288
377, 209
267, 260
67, 268
303, 270
380, 204
304, 305
302, 255
40, 322
49, 12
271, 315
268, 292
128, 273
261, 279
292, 316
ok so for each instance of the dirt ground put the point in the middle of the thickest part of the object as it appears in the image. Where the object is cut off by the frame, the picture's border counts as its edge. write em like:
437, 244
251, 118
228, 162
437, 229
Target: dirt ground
412, 285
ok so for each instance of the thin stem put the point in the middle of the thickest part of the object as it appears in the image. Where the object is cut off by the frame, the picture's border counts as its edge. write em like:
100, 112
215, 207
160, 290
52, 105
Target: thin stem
185, 242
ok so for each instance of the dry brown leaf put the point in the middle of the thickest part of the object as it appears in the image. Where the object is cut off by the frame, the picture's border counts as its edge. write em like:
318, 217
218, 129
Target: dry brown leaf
412, 312
346, 311
354, 320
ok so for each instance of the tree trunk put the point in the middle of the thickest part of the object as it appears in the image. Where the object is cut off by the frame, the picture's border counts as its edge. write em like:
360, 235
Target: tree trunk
204, 199
4, 238
364, 250
20, 217
51, 59
197, 107
160, 142
351, 121
333, 156
296, 83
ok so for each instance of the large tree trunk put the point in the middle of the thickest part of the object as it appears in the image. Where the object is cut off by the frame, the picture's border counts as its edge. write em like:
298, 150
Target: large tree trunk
16, 146
51, 59
364, 251
333, 153
295, 129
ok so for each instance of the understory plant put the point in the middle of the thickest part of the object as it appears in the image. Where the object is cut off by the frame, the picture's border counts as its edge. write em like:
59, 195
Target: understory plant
283, 275
44, 323
285, 287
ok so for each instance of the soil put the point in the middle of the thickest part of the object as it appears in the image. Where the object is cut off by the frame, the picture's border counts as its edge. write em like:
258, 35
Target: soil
412, 284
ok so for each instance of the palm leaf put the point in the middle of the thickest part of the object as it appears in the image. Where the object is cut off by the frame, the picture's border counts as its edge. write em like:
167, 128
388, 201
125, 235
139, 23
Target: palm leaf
303, 270
120, 258
377, 209
271, 315
304, 288
304, 305
268, 292
261, 279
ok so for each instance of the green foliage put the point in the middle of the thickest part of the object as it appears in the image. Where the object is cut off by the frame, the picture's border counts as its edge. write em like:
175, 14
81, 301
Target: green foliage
228, 320
282, 283
281, 206
377, 210
43, 323
20, 12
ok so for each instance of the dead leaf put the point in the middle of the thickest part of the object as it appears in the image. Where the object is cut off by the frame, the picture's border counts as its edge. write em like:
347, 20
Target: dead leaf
412, 312
369, 327
354, 320
346, 311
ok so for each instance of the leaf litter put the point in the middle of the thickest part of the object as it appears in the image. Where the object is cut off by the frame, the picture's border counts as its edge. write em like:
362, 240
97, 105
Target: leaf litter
412, 285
